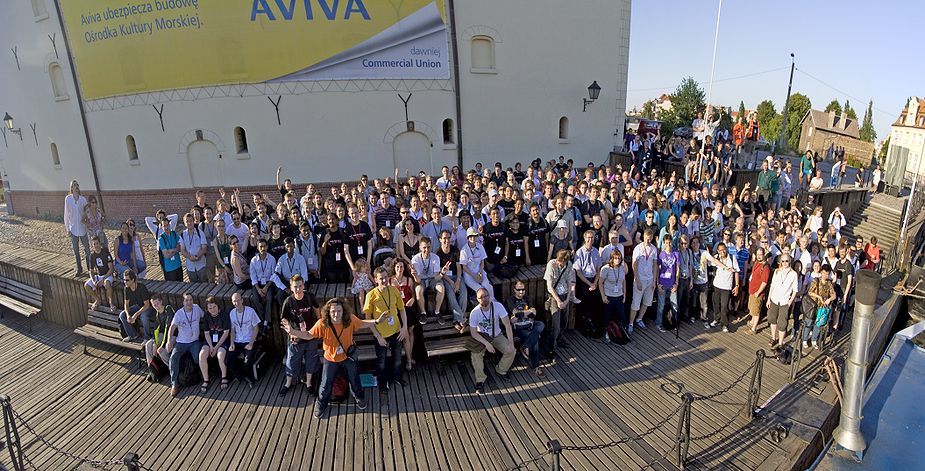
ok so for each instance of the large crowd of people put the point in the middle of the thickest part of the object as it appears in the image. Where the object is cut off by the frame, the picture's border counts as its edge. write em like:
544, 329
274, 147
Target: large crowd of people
624, 248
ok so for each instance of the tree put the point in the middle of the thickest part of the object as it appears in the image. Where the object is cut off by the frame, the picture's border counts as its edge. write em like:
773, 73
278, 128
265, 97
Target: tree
770, 129
884, 148
648, 110
799, 105
766, 113
835, 106
867, 131
849, 111
725, 119
742, 111
686, 102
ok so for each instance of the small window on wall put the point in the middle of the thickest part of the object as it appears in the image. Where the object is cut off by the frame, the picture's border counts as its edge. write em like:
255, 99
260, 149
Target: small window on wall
240, 140
483, 55
449, 132
131, 148
38, 10
563, 128
58, 86
55, 160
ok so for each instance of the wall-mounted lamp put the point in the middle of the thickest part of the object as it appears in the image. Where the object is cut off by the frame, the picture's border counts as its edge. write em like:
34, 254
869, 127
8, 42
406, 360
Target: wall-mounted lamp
8, 122
594, 91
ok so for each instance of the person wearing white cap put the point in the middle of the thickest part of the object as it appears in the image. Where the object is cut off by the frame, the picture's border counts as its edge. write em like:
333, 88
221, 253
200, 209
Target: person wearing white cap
472, 259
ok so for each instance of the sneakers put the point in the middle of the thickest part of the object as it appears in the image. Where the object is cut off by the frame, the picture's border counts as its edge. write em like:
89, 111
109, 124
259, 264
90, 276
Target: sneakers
606, 338
506, 377
525, 352
725, 329
362, 403
640, 323
575, 300
128, 339
706, 325
283, 390
422, 319
662, 329
439, 318
816, 345
479, 388
399, 382
714, 324
629, 329
319, 410
805, 345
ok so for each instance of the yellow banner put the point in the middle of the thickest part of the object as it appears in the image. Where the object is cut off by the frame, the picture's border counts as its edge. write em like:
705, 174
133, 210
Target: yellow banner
126, 47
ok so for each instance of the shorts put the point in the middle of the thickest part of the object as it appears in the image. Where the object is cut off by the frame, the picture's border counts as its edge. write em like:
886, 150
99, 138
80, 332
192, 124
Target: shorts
754, 305
642, 298
429, 283
96, 279
778, 315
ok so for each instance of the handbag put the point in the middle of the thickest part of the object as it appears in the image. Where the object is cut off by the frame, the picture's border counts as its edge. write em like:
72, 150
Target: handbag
822, 316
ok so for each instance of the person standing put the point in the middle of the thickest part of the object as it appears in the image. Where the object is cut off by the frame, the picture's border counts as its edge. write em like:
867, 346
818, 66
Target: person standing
300, 310
75, 205
168, 245
757, 284
612, 285
485, 323
586, 264
725, 284
390, 335
336, 329
262, 269
668, 268
783, 290
95, 220
645, 266
193, 247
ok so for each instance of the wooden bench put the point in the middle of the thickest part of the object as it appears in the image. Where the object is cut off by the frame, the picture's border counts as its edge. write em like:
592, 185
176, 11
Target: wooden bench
103, 325
20, 298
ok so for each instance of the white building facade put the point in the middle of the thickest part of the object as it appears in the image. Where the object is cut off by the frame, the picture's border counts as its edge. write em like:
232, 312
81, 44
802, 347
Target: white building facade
524, 68
907, 139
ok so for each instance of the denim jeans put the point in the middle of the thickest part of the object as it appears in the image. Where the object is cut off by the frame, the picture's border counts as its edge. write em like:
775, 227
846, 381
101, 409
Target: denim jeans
615, 309
129, 327
85, 241
263, 306
178, 350
387, 370
530, 338
810, 328
699, 300
457, 299
301, 354
329, 371
665, 294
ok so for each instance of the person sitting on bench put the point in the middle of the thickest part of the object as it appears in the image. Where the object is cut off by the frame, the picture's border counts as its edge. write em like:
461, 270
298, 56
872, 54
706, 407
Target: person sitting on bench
527, 329
484, 322
137, 305
244, 326
101, 270
157, 345
428, 274
183, 338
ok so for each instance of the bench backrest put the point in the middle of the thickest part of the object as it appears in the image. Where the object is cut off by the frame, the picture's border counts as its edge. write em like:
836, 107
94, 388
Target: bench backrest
21, 291
103, 319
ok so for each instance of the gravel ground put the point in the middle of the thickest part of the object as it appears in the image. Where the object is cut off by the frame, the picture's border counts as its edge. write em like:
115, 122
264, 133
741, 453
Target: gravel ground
40, 234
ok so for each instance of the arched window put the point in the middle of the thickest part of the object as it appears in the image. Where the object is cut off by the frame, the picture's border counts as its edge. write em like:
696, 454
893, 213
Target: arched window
483, 54
240, 140
55, 160
131, 148
563, 128
449, 132
58, 85
38, 9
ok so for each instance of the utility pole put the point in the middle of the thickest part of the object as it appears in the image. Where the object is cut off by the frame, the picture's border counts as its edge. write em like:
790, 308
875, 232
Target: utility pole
783, 126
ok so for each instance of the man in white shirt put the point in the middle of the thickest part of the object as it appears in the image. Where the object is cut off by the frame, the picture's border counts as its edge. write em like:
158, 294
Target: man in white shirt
645, 266
445, 182
289, 263
74, 206
237, 228
428, 274
262, 269
244, 326
183, 338
193, 248
485, 323
725, 284
472, 258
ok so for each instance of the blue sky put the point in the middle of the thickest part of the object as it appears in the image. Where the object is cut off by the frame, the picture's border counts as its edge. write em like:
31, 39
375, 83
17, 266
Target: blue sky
865, 50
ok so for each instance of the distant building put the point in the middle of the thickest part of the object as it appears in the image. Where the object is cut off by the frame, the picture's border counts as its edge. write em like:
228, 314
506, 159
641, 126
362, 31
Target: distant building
907, 137
662, 104
820, 130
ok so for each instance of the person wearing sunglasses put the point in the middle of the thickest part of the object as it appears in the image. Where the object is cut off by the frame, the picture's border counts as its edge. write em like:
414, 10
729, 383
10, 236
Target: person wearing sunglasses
783, 291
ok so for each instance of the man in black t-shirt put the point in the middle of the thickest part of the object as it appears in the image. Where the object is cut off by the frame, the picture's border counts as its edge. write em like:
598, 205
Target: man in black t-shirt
101, 270
457, 294
301, 311
495, 235
334, 263
844, 273
359, 235
517, 240
137, 305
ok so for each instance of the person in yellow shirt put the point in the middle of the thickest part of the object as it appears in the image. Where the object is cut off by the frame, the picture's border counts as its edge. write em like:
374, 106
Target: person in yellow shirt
386, 300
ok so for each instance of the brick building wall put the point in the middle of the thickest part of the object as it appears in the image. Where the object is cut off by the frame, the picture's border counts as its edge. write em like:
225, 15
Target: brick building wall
855, 149
121, 205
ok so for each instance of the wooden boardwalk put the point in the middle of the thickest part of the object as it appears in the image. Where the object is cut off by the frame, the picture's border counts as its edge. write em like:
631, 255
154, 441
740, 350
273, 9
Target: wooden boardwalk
99, 406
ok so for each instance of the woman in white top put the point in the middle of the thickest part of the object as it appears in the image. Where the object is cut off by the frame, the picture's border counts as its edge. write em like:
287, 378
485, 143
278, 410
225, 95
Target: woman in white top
814, 222
784, 287
612, 286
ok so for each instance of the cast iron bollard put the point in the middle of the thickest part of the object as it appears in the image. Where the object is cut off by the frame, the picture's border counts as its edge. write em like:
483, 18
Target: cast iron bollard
754, 386
555, 448
683, 432
796, 357
130, 460
12, 434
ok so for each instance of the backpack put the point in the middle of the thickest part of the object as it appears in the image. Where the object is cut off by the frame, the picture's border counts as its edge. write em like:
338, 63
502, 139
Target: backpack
189, 372
156, 369
785, 355
617, 334
506, 270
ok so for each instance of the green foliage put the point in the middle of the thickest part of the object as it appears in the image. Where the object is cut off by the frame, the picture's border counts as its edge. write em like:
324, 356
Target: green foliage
867, 131
770, 130
883, 150
799, 105
849, 111
686, 102
833, 105
742, 111
725, 121
648, 110
766, 113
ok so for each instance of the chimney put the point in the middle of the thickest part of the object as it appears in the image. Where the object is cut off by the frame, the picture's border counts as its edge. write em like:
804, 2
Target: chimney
831, 119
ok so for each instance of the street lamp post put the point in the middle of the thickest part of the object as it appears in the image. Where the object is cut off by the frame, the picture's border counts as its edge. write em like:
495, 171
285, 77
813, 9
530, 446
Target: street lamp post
783, 124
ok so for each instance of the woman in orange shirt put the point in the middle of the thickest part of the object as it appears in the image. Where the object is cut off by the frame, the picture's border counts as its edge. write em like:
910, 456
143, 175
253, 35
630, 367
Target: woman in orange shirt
335, 329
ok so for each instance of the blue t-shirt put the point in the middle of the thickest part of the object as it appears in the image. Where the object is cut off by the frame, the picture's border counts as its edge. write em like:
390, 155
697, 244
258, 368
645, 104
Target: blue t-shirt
167, 241
667, 264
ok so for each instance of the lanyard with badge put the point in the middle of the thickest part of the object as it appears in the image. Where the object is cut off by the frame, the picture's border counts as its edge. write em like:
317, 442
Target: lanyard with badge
492, 318
214, 328
386, 297
358, 238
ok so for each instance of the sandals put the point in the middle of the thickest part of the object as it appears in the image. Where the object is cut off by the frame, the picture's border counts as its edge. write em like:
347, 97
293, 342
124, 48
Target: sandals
224, 383
539, 372
204, 387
